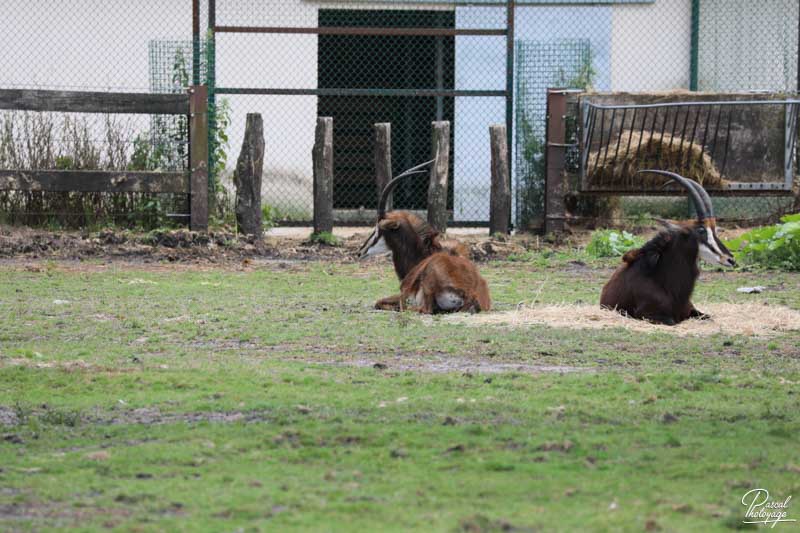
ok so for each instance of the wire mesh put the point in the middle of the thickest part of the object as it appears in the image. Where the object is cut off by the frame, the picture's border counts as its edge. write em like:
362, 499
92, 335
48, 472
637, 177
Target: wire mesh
292, 61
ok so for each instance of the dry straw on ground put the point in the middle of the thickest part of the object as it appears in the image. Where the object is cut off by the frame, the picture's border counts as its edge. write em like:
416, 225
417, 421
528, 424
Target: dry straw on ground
752, 319
626, 154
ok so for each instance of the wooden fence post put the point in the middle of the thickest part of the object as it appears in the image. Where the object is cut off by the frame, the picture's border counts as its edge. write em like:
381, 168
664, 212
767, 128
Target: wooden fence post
500, 195
198, 150
383, 158
247, 177
555, 212
323, 175
437, 188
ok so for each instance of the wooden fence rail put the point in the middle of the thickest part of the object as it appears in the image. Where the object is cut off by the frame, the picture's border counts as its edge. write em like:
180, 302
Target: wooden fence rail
193, 182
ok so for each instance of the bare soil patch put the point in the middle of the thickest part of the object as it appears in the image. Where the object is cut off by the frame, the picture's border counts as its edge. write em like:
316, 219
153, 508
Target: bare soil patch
752, 319
441, 365
217, 246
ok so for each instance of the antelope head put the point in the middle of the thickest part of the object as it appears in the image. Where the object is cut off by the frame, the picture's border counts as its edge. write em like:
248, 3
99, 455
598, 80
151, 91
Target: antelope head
392, 225
704, 228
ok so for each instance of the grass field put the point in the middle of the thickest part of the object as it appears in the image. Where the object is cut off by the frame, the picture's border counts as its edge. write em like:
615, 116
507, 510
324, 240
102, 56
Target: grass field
271, 396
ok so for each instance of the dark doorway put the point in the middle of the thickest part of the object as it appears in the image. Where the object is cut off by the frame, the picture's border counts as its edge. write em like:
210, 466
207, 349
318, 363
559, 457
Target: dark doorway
384, 62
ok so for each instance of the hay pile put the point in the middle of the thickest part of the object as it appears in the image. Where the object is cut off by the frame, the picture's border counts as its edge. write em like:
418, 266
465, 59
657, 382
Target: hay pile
751, 319
617, 168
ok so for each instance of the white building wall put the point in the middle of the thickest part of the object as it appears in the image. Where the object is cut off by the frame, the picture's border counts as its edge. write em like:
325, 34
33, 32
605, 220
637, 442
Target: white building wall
651, 46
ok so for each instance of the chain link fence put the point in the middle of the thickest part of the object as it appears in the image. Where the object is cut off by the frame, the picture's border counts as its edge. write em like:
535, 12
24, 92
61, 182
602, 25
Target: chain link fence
403, 62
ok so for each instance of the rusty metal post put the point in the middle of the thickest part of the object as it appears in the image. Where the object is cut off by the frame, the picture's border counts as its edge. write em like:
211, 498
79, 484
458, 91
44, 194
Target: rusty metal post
198, 157
555, 161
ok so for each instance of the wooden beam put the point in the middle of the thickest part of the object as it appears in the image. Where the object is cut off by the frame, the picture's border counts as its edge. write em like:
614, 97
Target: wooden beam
322, 155
500, 195
94, 181
383, 158
93, 102
437, 188
247, 177
198, 157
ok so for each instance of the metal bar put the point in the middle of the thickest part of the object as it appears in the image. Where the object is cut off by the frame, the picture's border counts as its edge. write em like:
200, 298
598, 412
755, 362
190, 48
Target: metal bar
727, 143
195, 42
791, 138
446, 93
694, 60
365, 30
619, 137
697, 103
683, 137
734, 189
439, 77
600, 145
212, 15
661, 139
691, 142
705, 131
716, 132
591, 116
509, 32
674, 125
641, 136
630, 134
610, 133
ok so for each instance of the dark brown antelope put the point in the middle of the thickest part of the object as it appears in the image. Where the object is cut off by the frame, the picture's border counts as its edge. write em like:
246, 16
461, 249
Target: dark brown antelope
411, 240
655, 282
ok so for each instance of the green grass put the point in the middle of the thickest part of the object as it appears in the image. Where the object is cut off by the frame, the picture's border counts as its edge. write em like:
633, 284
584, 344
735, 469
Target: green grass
178, 398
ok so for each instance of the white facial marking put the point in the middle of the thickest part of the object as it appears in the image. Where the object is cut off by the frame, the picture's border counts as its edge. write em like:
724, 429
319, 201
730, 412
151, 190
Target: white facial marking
708, 256
376, 248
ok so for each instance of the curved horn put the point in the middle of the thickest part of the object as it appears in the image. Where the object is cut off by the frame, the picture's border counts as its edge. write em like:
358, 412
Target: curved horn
706, 198
387, 191
694, 194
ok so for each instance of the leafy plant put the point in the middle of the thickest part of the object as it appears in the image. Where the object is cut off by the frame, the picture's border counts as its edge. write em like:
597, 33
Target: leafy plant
325, 237
776, 246
611, 243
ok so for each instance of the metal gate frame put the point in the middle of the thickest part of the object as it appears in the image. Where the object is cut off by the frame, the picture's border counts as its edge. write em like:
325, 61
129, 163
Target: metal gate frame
508, 93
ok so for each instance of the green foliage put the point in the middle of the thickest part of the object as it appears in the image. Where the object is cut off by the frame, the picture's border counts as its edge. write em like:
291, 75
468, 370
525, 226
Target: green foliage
612, 243
776, 246
269, 217
325, 237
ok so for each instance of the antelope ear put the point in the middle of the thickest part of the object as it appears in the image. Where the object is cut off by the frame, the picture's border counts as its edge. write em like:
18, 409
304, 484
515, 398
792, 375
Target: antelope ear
388, 225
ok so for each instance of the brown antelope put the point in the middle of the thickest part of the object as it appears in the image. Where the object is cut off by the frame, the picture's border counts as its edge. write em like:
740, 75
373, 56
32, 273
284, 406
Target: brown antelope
655, 282
412, 241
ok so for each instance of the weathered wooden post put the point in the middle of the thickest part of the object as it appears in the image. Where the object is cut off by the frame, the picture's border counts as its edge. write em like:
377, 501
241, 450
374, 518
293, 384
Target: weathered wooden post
247, 177
555, 212
437, 188
323, 175
198, 158
383, 158
500, 195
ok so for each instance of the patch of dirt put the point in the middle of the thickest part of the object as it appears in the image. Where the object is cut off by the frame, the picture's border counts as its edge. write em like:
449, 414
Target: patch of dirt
147, 416
441, 365
751, 319
217, 246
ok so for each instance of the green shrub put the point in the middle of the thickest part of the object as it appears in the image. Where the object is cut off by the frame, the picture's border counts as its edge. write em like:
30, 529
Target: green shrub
776, 246
611, 243
325, 237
